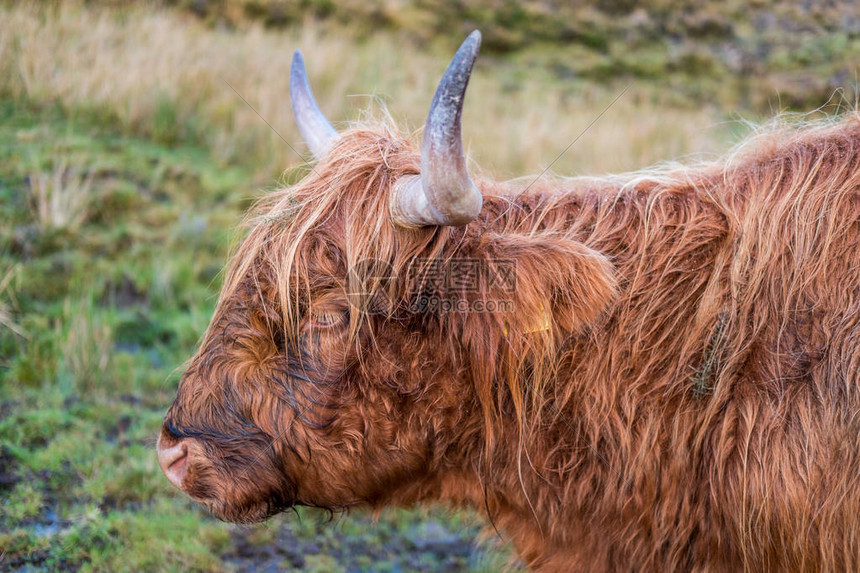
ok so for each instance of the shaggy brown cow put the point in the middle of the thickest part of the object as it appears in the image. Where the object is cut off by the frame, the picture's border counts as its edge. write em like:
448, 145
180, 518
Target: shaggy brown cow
671, 383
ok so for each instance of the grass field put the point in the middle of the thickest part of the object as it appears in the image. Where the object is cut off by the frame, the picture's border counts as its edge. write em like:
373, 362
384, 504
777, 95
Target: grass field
127, 158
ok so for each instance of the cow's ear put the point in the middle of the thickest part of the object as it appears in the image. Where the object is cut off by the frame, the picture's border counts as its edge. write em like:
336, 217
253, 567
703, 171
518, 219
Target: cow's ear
542, 288
547, 281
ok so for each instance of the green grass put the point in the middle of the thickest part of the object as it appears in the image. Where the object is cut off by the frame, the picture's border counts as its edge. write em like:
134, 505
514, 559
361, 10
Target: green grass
104, 313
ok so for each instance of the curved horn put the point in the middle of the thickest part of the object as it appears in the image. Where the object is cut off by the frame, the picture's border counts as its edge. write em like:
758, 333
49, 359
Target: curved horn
444, 193
314, 127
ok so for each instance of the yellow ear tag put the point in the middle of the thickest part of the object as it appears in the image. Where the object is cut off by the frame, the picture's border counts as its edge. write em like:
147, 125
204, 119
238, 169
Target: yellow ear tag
544, 323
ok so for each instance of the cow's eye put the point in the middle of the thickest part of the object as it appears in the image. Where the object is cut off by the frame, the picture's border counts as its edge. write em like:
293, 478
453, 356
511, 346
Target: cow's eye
327, 318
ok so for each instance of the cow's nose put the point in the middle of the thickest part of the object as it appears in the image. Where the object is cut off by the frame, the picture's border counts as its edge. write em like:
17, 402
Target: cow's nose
173, 457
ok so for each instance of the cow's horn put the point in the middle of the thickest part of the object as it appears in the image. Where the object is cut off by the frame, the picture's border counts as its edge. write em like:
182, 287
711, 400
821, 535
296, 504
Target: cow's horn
444, 193
314, 127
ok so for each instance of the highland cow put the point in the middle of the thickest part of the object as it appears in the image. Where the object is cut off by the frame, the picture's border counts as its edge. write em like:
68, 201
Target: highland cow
673, 386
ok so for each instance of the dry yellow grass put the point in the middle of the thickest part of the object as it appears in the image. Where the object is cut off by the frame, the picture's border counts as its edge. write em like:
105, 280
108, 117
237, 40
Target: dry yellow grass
6, 318
87, 347
146, 67
60, 197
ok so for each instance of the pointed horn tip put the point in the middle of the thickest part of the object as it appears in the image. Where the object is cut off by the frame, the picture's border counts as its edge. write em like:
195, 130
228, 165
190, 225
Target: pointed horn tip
472, 43
467, 53
316, 130
298, 59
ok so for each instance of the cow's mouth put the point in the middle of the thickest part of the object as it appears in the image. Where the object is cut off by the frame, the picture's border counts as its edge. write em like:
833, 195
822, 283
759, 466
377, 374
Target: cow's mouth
243, 513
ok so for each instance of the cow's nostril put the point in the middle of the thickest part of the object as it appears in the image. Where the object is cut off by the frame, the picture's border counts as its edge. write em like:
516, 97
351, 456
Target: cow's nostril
173, 458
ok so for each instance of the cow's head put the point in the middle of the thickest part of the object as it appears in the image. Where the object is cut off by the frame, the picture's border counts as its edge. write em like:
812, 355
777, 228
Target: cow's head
337, 370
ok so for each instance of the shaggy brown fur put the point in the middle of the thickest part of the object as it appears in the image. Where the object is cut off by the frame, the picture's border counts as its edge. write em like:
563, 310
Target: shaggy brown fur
693, 405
